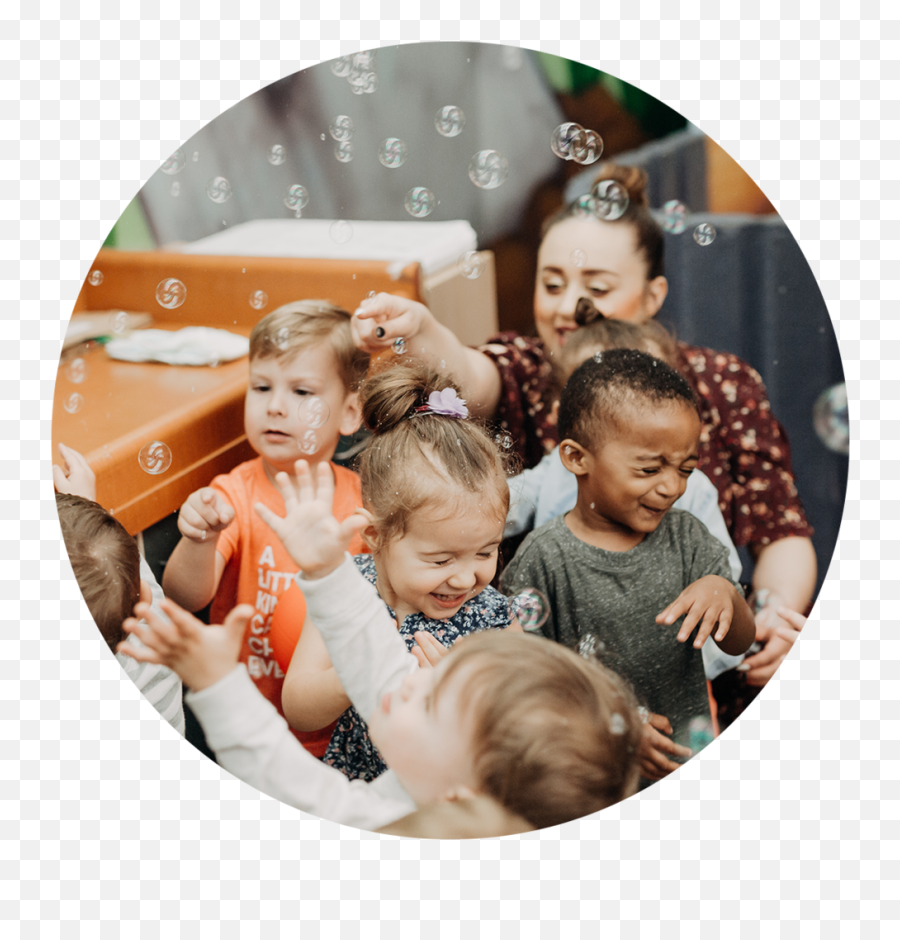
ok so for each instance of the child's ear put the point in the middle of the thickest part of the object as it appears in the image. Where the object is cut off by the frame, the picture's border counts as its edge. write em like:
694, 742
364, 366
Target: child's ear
369, 533
351, 418
574, 457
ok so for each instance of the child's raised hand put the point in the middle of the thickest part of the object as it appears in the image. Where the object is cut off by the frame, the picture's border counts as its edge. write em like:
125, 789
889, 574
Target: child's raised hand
706, 602
314, 539
203, 512
75, 476
381, 319
199, 654
655, 746
428, 651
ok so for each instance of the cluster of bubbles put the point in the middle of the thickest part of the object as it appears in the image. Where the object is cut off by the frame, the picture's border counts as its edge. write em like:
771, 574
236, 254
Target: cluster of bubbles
297, 199
570, 141
340, 231
419, 202
170, 293
831, 419
314, 412
674, 216
359, 70
503, 440
471, 264
258, 299
341, 131
277, 155
393, 152
488, 169
76, 370
450, 121
73, 403
95, 278
155, 457
174, 164
530, 608
219, 189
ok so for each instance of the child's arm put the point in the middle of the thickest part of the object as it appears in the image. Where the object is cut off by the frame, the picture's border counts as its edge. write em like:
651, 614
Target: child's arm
711, 601
312, 695
192, 574
524, 491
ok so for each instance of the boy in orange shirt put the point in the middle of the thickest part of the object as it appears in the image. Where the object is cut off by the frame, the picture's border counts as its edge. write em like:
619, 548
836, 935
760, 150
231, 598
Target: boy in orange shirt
302, 396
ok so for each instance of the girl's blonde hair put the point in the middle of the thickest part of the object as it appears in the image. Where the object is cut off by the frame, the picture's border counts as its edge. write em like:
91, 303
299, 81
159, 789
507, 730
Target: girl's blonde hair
415, 458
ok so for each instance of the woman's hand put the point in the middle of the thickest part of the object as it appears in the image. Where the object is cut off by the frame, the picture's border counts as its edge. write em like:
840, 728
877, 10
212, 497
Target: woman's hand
75, 476
781, 635
381, 319
655, 746
314, 539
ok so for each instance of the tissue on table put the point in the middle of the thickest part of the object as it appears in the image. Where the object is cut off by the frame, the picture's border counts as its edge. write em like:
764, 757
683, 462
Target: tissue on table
190, 346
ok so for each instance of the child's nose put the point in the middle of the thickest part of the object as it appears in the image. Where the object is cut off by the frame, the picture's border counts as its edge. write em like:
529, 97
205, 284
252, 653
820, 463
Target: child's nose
277, 404
669, 484
463, 578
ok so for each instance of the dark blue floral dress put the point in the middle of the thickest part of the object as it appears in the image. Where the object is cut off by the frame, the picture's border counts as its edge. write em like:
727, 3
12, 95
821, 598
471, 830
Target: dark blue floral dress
350, 749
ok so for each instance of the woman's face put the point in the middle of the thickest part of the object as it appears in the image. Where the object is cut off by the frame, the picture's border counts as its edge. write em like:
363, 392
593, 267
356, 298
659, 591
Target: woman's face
583, 257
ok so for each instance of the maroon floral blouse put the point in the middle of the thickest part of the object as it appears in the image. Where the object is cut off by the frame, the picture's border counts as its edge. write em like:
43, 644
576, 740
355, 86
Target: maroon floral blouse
743, 449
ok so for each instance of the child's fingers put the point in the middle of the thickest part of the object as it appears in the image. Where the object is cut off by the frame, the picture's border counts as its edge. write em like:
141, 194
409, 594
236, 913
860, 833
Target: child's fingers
432, 649
725, 618
271, 519
60, 480
142, 655
421, 658
351, 525
306, 489
660, 723
679, 606
693, 616
237, 619
181, 622
661, 743
788, 634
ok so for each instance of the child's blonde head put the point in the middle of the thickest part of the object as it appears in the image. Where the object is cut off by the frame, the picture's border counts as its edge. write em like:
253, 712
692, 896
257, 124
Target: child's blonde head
420, 458
105, 560
296, 326
556, 736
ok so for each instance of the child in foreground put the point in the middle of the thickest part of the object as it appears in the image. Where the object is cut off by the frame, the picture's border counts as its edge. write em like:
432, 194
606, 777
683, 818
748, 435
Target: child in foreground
301, 397
435, 498
525, 722
623, 565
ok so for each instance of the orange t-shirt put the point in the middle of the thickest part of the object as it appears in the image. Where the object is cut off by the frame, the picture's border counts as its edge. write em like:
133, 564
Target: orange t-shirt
258, 569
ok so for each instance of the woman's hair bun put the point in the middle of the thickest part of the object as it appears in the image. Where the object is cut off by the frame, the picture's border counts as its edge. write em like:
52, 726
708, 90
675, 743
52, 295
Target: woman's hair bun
392, 394
633, 180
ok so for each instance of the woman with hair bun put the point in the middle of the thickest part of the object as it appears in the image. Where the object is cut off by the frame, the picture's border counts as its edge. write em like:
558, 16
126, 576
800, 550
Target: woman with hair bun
616, 269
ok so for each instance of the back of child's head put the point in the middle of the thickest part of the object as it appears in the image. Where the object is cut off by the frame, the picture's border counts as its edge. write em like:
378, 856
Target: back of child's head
294, 327
105, 560
598, 334
555, 735
421, 457
603, 392
471, 817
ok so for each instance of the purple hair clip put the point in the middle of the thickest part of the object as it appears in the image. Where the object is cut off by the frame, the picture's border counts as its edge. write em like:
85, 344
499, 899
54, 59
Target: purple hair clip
446, 402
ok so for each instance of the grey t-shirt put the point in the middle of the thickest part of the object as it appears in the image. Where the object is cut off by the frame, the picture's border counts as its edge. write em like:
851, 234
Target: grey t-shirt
616, 596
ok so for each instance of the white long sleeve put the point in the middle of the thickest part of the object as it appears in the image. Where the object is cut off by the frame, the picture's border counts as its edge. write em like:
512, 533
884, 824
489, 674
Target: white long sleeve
365, 648
253, 742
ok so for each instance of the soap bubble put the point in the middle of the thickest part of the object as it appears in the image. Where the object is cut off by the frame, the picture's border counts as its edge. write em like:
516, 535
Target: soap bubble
170, 293
504, 440
195, 156
77, 370
277, 155
309, 443
95, 278
591, 150
530, 608
488, 169
314, 412
118, 322
616, 724
419, 202
343, 151
700, 733
674, 216
585, 205
218, 189
370, 85
73, 403
450, 121
296, 198
258, 299
340, 231
281, 338
393, 152
341, 67
341, 128
363, 60
399, 345
175, 189
471, 264
831, 419
578, 257
589, 646
567, 140
598, 357
175, 163
612, 200
155, 457
704, 234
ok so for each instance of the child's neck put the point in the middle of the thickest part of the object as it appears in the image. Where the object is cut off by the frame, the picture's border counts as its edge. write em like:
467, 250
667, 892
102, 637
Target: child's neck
600, 532
383, 585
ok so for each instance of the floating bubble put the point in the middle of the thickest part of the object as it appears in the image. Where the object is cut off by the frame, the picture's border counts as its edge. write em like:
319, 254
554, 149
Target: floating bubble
471, 264
77, 370
321, 137
258, 299
170, 293
393, 153
195, 156
419, 202
358, 89
504, 440
341, 231
530, 608
277, 155
512, 58
370, 295
704, 234
218, 189
73, 403
399, 345
450, 121
314, 412
584, 205
175, 189
598, 357
591, 151
616, 724
119, 322
364, 60
175, 163
831, 419
674, 216
589, 646
567, 140
341, 67
488, 169
297, 198
578, 257
155, 457
700, 733
95, 278
370, 85
343, 151
281, 338
611, 200
309, 443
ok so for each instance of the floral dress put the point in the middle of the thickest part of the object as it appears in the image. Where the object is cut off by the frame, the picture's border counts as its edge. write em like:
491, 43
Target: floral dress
350, 749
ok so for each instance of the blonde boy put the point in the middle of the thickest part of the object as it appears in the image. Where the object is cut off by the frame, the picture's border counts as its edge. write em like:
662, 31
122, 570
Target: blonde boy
301, 397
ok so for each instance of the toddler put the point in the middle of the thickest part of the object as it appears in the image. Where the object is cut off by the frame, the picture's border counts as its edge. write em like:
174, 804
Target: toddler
545, 734
624, 565
435, 498
301, 397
